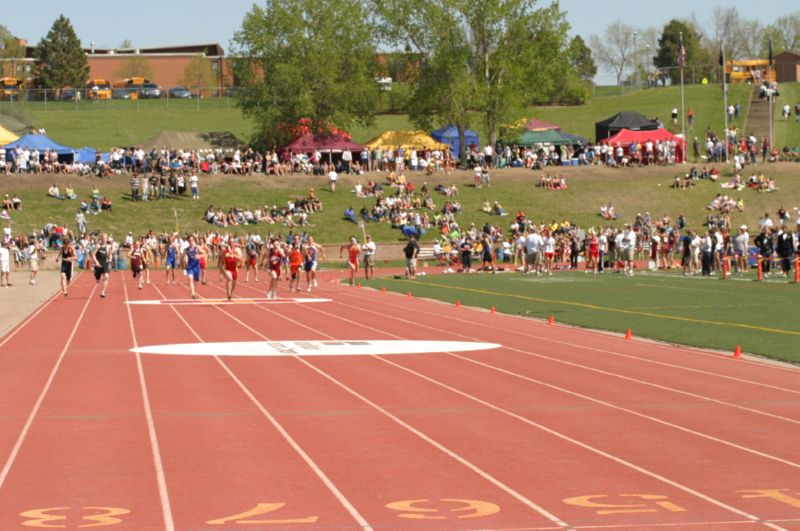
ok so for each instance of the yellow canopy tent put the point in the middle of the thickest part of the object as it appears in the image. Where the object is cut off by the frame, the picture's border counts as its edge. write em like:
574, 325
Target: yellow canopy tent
405, 140
6, 136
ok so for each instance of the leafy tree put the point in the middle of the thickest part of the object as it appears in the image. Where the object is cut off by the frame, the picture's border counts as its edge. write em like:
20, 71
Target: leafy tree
305, 58
614, 49
669, 46
581, 58
60, 60
492, 58
10, 48
785, 34
125, 44
134, 65
198, 73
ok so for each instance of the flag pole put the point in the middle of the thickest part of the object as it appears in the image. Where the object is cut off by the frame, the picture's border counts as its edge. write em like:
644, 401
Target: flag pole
683, 111
770, 95
724, 99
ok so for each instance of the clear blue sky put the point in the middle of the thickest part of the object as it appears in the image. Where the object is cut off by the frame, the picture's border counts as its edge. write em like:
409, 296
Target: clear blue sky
167, 22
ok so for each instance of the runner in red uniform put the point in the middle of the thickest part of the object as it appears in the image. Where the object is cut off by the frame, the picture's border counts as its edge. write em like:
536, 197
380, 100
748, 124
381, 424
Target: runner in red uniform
230, 260
203, 247
352, 258
295, 263
594, 252
276, 255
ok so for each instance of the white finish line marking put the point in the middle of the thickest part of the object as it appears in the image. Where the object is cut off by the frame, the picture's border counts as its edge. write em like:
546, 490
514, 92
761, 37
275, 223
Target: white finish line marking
313, 348
202, 302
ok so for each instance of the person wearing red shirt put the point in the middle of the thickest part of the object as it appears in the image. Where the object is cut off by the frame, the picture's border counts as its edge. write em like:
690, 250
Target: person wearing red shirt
352, 257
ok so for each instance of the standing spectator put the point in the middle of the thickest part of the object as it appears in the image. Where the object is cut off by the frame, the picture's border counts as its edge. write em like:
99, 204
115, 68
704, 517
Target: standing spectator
135, 187
411, 251
787, 112
193, 180
796, 115
369, 249
80, 220
332, 178
737, 110
347, 160
5, 255
674, 116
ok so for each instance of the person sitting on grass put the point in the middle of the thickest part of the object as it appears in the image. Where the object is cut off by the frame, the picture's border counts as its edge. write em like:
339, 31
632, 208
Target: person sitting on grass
106, 204
350, 215
54, 192
498, 210
16, 202
486, 207
69, 193
7, 204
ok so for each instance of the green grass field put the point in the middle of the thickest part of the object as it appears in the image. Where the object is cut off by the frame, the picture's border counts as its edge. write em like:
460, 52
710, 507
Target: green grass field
117, 122
631, 191
695, 311
787, 133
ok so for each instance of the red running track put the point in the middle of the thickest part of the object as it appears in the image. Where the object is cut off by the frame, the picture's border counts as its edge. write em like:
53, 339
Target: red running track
559, 428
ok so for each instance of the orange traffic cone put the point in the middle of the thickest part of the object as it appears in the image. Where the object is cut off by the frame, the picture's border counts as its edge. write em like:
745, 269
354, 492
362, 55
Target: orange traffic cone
737, 354
551, 321
628, 334
409, 295
492, 310
458, 303
359, 284
383, 289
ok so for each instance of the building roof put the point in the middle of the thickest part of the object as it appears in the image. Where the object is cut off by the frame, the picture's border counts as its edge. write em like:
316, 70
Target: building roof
210, 49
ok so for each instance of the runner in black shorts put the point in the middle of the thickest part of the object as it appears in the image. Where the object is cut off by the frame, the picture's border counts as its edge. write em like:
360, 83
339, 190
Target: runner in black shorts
102, 266
67, 257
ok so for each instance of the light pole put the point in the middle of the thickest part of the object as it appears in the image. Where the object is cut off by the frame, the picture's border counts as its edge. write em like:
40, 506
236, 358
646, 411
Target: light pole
635, 61
647, 64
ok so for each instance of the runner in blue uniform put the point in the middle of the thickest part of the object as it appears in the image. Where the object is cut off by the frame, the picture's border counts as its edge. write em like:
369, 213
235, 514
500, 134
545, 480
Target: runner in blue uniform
171, 263
192, 258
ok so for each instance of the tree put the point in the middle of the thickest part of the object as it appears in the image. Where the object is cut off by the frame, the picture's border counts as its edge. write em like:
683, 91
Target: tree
305, 58
10, 48
134, 65
198, 73
669, 46
125, 44
614, 49
785, 34
492, 58
727, 30
60, 60
581, 58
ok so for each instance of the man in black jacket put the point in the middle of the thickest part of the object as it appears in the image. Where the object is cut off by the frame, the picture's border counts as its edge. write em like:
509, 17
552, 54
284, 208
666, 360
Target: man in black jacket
785, 249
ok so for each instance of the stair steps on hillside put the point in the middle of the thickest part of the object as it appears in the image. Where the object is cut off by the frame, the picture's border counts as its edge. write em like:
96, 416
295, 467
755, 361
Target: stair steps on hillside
757, 124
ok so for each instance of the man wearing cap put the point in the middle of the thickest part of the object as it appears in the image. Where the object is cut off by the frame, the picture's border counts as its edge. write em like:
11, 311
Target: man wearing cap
628, 248
411, 251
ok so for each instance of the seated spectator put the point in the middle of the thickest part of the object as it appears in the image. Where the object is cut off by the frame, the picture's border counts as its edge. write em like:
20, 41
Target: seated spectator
16, 202
350, 215
486, 207
69, 193
106, 204
7, 204
498, 210
54, 192
84, 205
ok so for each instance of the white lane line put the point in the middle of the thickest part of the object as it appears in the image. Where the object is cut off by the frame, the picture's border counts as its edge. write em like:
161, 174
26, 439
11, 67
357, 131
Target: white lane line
338, 494
30, 318
238, 300
479, 471
37, 405
158, 462
599, 371
619, 460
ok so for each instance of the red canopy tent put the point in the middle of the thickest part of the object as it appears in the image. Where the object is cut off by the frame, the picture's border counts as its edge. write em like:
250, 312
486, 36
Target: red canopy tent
534, 124
323, 143
626, 137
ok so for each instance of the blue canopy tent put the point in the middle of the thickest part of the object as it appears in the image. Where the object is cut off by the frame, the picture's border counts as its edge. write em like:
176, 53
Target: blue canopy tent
449, 135
41, 142
86, 155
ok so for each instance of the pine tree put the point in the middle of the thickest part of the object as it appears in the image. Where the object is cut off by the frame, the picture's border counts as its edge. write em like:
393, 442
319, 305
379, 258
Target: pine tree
60, 60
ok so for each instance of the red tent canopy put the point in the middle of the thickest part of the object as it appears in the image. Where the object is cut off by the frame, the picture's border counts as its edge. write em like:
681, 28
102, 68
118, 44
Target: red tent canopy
326, 143
625, 137
534, 124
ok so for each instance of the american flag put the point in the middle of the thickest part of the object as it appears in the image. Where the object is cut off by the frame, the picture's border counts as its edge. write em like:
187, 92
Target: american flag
682, 54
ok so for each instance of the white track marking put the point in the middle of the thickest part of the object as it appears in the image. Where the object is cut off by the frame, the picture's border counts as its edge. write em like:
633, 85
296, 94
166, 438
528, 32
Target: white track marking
30, 318
479, 471
590, 448
158, 462
312, 347
38, 404
349, 507
238, 300
601, 371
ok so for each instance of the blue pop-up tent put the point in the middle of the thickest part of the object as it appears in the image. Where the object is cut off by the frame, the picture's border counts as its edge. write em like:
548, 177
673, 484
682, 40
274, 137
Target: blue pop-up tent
40, 142
449, 135
86, 155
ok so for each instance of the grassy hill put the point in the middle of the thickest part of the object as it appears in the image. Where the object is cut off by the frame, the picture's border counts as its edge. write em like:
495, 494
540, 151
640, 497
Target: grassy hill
118, 122
630, 190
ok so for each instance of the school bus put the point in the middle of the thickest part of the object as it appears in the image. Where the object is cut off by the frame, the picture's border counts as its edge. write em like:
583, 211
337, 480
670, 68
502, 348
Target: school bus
99, 89
749, 71
10, 87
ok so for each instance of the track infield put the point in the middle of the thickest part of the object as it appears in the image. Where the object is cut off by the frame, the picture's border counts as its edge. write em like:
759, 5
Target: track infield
332, 421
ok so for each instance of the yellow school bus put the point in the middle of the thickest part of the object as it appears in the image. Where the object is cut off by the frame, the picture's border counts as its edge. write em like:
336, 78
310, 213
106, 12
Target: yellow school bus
10, 87
99, 89
749, 71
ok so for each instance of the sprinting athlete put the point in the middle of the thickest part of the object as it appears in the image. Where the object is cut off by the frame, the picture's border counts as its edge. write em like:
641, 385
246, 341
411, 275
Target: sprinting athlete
67, 257
138, 258
192, 257
102, 262
295, 263
203, 247
310, 263
171, 262
230, 260
251, 248
352, 258
274, 262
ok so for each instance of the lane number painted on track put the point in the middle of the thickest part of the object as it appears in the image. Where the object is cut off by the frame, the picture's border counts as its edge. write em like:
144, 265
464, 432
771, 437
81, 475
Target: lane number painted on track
64, 517
248, 517
779, 495
604, 508
443, 509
